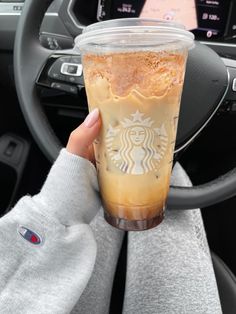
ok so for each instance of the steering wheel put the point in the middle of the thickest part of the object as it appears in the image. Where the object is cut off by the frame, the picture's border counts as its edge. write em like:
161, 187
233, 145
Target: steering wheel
206, 85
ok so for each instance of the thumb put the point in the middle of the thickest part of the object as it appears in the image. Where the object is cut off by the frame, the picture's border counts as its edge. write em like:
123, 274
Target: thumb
82, 137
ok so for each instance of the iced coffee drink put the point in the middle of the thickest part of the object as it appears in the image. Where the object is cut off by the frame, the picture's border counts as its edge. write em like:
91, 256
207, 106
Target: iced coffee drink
138, 94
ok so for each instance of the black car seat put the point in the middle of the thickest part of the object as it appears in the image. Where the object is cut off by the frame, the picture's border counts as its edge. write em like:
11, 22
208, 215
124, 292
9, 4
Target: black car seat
226, 282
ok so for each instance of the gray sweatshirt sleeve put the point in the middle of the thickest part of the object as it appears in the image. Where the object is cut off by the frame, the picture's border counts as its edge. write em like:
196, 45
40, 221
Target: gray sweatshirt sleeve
49, 277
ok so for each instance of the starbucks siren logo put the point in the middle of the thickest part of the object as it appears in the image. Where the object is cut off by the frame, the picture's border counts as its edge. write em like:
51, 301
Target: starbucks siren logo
135, 146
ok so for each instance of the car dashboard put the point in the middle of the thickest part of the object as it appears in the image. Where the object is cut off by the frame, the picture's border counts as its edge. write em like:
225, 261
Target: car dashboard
207, 19
211, 21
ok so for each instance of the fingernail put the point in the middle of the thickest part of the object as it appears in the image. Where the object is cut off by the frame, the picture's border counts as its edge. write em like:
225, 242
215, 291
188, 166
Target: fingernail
92, 118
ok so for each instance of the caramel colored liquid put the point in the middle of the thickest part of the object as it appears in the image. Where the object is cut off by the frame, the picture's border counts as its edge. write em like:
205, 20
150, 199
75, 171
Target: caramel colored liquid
138, 94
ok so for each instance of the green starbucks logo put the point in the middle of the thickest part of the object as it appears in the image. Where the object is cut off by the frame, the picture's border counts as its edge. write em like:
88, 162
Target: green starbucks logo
136, 146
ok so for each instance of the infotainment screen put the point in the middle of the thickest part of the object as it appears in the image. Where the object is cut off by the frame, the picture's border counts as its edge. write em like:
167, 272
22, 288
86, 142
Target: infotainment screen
183, 11
206, 18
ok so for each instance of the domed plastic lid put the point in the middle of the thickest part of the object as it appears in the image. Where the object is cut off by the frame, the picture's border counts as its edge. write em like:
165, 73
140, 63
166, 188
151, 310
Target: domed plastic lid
132, 34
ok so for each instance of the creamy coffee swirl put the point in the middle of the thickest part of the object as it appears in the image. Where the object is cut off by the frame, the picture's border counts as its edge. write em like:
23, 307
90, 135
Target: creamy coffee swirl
138, 95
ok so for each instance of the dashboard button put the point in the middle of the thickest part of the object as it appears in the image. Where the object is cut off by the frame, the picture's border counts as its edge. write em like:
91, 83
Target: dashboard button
74, 65
76, 59
233, 106
55, 70
56, 76
71, 69
64, 87
55, 42
76, 80
234, 85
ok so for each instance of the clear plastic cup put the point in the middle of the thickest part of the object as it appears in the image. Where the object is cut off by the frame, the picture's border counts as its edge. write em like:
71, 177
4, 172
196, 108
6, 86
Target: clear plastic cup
134, 72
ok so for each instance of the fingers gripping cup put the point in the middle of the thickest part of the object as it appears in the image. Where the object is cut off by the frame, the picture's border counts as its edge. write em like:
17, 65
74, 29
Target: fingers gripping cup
134, 72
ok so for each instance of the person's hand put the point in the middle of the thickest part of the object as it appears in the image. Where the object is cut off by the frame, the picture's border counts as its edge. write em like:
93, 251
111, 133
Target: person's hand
81, 139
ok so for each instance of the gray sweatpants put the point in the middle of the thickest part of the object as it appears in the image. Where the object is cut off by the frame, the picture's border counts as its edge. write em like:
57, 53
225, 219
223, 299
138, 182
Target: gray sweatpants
169, 268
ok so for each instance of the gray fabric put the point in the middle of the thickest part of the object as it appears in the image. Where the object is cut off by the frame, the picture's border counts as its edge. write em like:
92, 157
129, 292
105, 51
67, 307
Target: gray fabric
50, 278
169, 267
96, 297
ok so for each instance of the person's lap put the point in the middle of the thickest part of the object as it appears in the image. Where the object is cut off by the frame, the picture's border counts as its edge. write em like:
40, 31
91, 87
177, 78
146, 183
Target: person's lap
169, 268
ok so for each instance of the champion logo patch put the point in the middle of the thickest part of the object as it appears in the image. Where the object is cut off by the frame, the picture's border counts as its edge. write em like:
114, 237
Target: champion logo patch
30, 235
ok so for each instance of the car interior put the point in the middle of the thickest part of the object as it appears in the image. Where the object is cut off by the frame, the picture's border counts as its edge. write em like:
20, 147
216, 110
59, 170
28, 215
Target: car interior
43, 99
